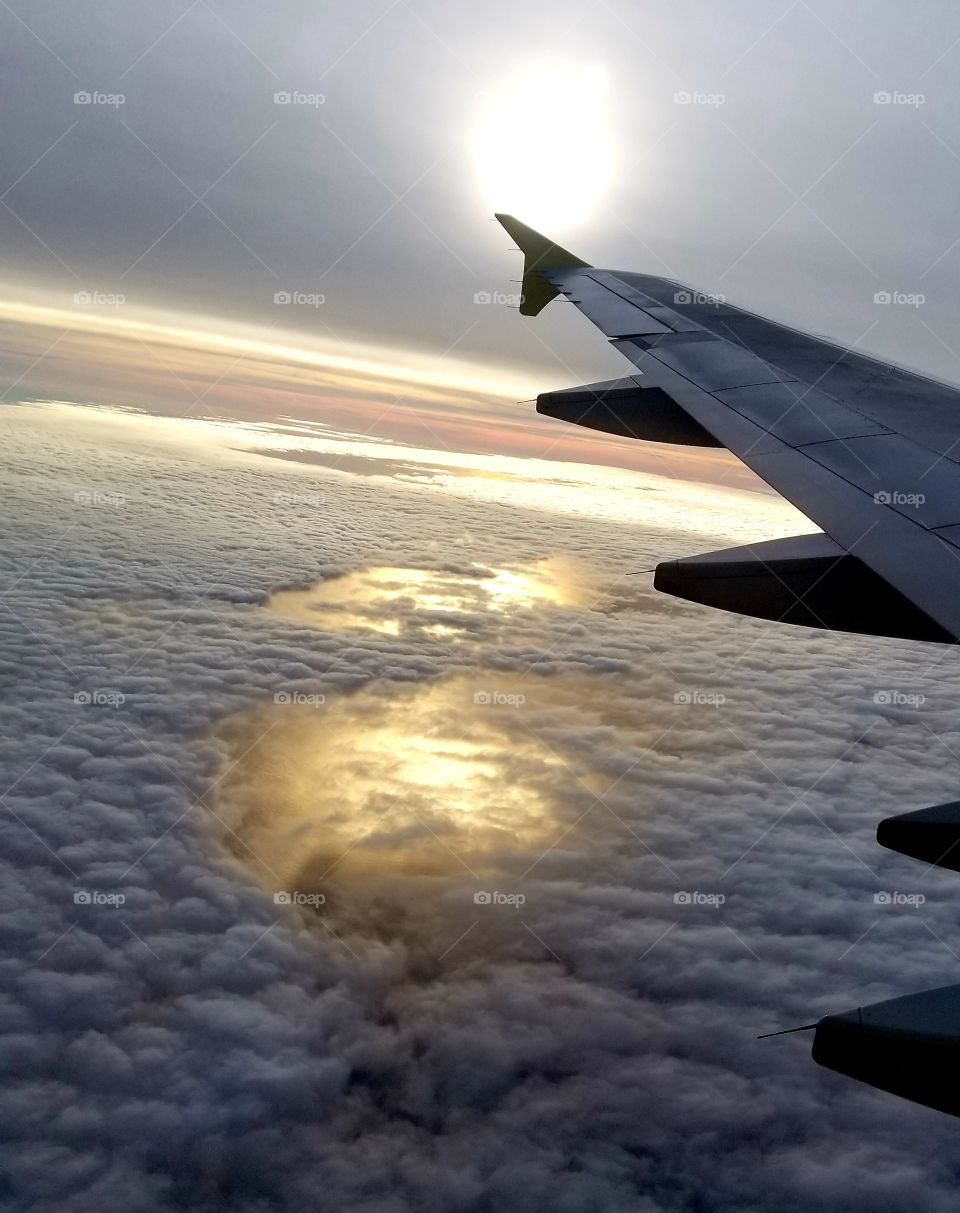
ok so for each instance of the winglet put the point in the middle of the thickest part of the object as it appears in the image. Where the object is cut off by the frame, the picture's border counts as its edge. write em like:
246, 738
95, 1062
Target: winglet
539, 253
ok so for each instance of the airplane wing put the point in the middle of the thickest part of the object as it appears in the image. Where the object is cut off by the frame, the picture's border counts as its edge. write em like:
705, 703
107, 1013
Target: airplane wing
871, 454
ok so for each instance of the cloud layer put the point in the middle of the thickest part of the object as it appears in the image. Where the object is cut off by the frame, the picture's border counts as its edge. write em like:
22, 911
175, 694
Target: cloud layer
405, 1046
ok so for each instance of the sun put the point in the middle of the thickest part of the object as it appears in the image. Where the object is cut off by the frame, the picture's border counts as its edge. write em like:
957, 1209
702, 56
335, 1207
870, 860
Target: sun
543, 144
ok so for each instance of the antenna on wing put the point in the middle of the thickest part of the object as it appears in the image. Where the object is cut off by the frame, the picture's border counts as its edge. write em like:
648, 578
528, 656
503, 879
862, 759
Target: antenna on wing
807, 1027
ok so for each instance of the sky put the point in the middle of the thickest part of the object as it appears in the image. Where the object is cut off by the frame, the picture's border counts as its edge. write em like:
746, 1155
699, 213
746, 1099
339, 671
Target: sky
374, 837
182, 185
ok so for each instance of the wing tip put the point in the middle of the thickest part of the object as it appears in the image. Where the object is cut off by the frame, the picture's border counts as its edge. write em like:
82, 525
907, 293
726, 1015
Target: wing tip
539, 253
539, 250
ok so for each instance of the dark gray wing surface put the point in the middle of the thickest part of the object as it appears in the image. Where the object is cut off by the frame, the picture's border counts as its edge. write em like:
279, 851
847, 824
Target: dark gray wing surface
868, 452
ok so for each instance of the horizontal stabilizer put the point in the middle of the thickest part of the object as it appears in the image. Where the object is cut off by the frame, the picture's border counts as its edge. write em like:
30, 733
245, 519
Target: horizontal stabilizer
931, 835
539, 253
807, 580
628, 407
908, 1046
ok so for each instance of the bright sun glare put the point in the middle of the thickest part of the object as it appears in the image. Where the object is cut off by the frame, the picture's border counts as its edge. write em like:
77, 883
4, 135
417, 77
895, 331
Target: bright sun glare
543, 144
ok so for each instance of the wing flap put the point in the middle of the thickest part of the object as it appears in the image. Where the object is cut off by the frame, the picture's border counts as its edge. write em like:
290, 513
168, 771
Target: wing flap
796, 414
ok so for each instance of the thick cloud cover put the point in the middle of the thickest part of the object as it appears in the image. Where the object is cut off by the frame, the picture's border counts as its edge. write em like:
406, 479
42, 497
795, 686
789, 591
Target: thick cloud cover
201, 1046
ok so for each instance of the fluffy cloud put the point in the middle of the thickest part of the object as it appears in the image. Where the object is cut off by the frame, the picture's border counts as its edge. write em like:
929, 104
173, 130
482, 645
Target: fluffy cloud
201, 1046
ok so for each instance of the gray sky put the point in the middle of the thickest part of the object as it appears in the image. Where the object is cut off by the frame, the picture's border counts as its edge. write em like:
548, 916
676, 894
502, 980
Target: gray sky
797, 195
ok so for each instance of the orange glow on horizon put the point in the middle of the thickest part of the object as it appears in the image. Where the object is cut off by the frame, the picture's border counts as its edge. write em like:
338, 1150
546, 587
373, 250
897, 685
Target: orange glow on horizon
170, 365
